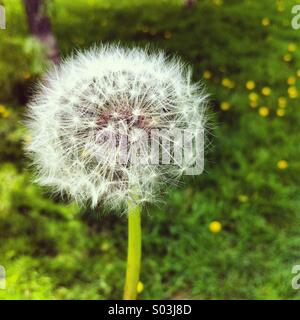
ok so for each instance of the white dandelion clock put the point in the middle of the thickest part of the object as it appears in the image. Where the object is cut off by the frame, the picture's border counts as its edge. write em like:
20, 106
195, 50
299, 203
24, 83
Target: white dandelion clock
103, 125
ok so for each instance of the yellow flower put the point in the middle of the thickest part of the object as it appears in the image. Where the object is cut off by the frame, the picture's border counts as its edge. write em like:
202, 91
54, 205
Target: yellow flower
266, 91
227, 83
265, 22
253, 104
140, 287
292, 47
105, 246
280, 6
207, 74
291, 80
263, 111
253, 96
215, 227
26, 75
298, 73
282, 102
280, 112
282, 164
218, 2
292, 92
287, 57
6, 114
225, 106
250, 85
243, 198
2, 108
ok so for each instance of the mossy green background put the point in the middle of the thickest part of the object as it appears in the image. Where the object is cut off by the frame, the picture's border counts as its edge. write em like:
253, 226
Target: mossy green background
51, 249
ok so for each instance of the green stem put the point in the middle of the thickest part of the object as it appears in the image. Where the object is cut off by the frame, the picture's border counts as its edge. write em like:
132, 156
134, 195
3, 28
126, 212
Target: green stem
134, 251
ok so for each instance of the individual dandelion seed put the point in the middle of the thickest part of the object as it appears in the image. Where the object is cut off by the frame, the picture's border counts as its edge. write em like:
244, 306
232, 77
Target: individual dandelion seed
86, 119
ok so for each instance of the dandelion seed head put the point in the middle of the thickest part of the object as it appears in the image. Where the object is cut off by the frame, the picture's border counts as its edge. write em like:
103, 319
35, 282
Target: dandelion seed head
81, 105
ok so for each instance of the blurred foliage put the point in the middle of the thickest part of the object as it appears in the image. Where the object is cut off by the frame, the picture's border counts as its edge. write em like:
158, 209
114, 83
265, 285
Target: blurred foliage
248, 55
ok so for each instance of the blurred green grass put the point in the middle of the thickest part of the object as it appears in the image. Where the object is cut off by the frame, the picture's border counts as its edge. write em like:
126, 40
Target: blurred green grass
54, 250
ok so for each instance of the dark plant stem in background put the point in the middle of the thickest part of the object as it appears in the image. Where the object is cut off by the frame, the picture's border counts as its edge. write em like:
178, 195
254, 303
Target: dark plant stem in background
190, 3
40, 27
